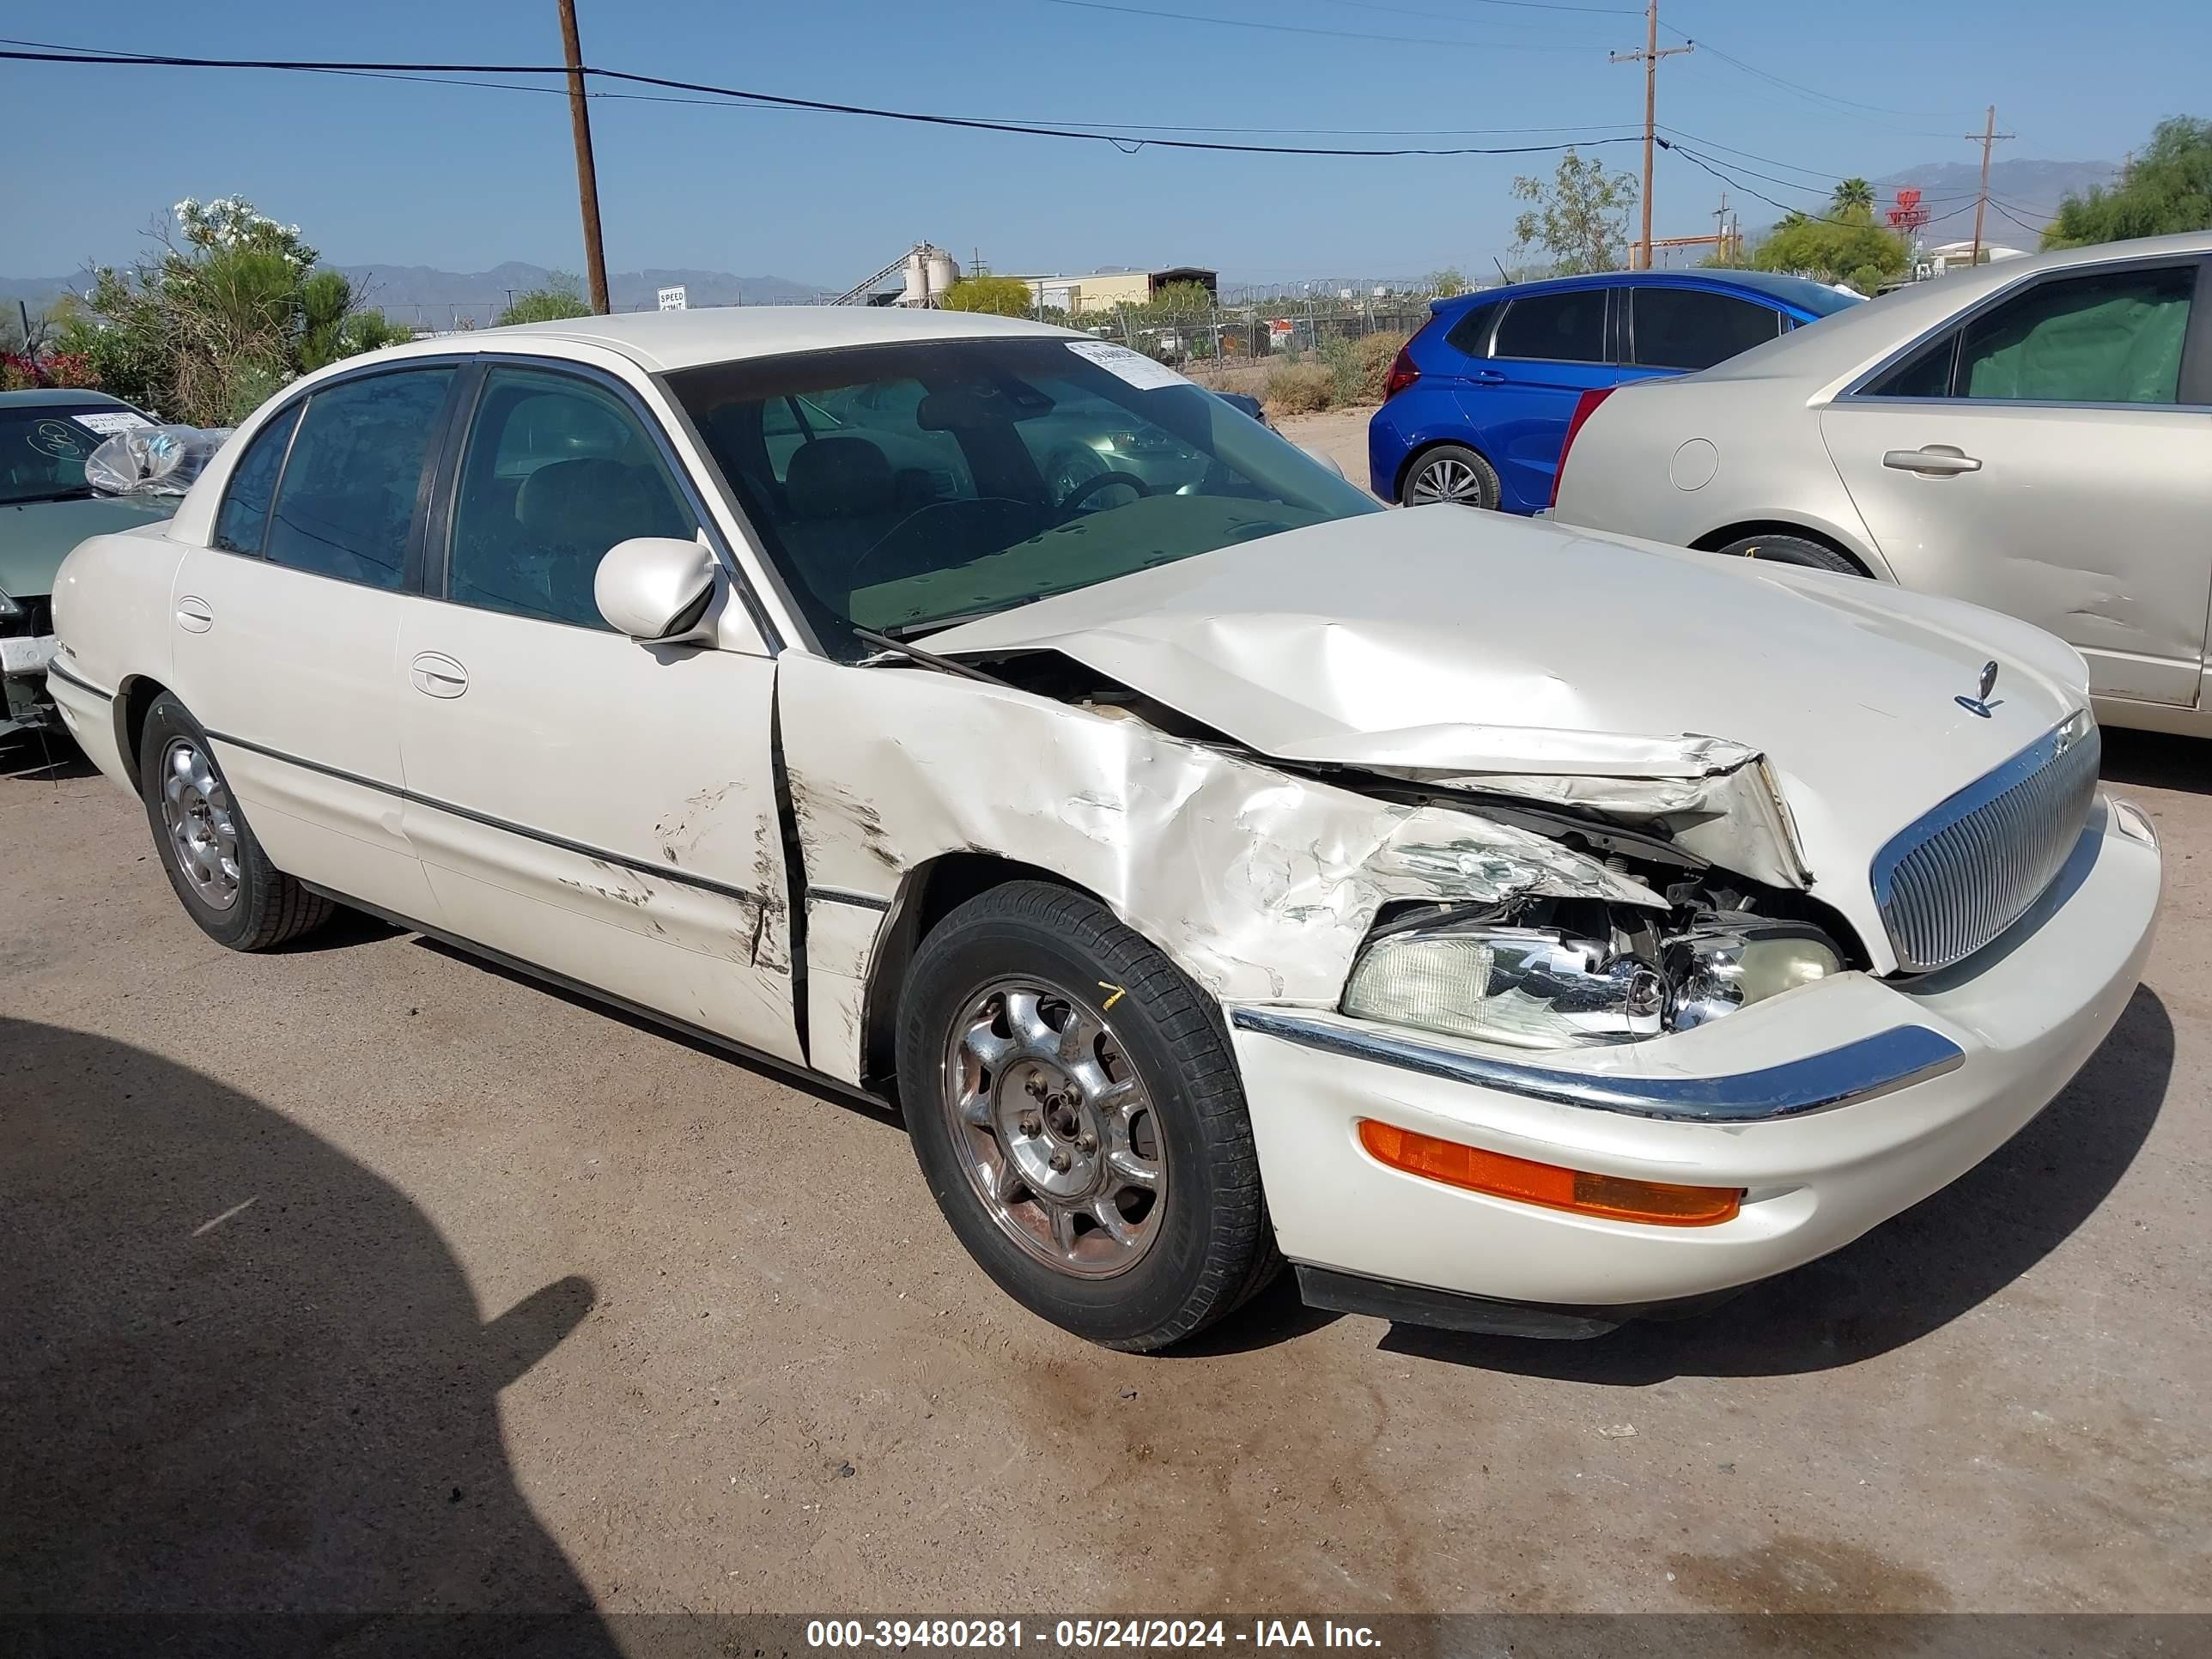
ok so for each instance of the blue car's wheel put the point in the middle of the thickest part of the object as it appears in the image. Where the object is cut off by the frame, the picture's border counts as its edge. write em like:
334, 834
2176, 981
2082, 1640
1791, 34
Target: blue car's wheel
1450, 472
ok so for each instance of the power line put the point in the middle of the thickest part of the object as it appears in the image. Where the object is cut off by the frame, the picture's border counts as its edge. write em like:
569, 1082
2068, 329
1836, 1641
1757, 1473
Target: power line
1815, 93
1708, 165
1516, 5
1491, 43
1125, 140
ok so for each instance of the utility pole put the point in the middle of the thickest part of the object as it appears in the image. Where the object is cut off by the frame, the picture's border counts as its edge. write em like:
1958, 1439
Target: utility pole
1987, 137
1649, 57
588, 175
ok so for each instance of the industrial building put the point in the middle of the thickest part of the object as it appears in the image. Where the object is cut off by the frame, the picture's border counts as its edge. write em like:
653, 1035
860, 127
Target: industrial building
1103, 290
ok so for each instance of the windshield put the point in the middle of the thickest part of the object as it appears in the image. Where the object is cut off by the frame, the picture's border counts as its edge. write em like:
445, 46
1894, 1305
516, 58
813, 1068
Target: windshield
42, 449
1803, 292
901, 487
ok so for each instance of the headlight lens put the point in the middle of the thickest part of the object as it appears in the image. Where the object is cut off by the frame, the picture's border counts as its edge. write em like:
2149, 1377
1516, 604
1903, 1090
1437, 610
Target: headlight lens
1728, 962
1528, 987
1543, 987
8, 609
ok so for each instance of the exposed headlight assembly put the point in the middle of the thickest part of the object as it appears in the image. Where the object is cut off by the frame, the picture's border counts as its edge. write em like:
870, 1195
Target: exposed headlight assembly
1725, 962
1529, 988
1544, 987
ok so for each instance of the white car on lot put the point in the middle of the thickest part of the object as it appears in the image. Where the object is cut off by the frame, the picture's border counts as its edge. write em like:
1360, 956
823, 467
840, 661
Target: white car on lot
2035, 436
1515, 929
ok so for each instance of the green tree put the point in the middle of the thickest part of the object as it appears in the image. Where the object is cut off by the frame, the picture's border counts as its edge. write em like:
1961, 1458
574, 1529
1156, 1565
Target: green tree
1851, 246
1850, 197
1444, 283
229, 309
1000, 296
562, 296
1580, 217
2165, 187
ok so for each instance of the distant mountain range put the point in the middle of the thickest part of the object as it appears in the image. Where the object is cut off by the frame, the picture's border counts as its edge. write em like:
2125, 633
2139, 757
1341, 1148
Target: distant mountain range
440, 295
2023, 195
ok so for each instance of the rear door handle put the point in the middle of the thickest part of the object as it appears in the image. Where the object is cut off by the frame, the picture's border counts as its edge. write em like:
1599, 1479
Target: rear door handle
1488, 377
1934, 461
438, 675
194, 615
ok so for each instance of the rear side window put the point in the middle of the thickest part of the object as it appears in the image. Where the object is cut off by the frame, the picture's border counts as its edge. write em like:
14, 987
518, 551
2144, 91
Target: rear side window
1470, 335
349, 489
2113, 337
1693, 328
244, 519
1566, 328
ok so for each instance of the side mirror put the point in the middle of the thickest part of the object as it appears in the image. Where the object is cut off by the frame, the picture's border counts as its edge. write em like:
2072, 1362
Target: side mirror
654, 588
1322, 457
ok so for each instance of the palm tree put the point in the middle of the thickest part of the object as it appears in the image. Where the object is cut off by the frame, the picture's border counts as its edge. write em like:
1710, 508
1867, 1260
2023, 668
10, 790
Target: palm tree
1853, 195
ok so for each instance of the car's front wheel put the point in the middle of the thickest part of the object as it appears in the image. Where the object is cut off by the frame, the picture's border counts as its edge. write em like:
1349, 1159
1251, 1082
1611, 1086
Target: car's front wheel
1451, 472
222, 876
1078, 1115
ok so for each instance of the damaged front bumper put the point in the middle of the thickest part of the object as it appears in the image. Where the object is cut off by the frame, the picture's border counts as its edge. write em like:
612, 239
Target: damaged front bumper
1833, 1107
29, 706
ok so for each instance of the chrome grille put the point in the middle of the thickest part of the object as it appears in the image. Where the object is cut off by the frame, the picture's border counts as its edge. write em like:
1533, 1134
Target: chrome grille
1950, 883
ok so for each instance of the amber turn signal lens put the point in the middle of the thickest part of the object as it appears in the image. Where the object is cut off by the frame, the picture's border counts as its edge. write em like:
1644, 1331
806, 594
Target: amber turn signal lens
1548, 1184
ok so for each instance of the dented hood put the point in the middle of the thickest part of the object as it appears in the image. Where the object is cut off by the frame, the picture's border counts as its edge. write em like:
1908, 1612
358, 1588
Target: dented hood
1536, 660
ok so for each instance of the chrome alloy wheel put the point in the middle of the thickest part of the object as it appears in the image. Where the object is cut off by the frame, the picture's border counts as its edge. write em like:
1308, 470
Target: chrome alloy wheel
1446, 480
202, 829
1054, 1128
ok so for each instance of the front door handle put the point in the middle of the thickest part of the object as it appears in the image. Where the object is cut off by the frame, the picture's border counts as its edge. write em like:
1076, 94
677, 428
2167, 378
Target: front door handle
1934, 461
438, 676
194, 615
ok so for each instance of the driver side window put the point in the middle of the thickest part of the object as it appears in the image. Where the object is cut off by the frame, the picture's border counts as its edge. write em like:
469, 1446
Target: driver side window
556, 471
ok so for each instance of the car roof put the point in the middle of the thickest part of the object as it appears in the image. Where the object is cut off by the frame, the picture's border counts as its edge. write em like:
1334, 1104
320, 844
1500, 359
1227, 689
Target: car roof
1771, 285
57, 397
1861, 335
667, 340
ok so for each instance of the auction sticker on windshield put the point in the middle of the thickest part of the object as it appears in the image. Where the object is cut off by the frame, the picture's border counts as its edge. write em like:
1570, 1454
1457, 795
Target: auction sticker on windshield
1138, 370
109, 422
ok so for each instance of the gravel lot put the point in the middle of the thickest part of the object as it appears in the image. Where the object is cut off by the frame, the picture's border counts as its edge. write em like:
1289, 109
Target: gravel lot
363, 1276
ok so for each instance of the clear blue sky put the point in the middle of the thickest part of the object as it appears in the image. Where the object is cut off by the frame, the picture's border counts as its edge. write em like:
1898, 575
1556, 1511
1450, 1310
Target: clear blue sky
378, 170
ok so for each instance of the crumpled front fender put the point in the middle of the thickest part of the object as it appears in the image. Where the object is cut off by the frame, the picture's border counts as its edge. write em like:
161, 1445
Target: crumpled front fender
1259, 884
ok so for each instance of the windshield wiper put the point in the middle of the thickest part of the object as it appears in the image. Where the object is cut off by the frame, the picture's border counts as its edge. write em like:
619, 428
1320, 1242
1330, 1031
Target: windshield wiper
938, 625
898, 647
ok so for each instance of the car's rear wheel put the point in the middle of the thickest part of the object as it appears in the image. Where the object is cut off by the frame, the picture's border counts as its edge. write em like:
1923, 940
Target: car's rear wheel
224, 880
1792, 550
1451, 472
1078, 1115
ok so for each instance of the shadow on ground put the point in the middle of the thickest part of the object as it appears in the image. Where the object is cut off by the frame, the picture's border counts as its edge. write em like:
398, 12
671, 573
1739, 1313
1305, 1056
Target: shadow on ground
249, 1389
2154, 760
1912, 1276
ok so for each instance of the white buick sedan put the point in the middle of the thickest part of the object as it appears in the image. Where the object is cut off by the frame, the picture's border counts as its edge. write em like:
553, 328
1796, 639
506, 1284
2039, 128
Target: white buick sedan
1515, 928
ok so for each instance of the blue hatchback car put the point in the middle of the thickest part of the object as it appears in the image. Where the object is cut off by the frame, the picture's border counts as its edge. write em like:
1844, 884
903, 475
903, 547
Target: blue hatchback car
1479, 405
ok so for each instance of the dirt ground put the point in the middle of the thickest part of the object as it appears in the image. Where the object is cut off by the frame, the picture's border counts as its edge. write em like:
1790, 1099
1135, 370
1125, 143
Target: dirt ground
360, 1275
1339, 433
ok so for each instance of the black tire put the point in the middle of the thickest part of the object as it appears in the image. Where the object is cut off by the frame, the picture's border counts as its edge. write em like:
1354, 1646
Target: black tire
1792, 550
1481, 488
269, 907
1214, 1246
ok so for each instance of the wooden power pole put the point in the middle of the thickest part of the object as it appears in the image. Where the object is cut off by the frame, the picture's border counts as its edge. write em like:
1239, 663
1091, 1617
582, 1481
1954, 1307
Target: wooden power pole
1986, 137
588, 175
1649, 57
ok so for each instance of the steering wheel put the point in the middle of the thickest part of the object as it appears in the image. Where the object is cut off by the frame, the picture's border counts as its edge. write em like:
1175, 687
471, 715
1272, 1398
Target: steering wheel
1089, 487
